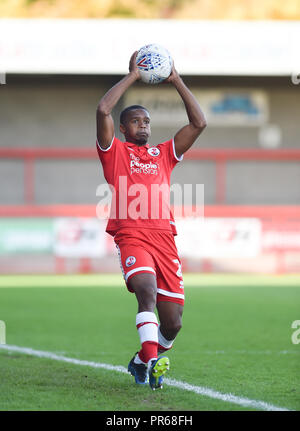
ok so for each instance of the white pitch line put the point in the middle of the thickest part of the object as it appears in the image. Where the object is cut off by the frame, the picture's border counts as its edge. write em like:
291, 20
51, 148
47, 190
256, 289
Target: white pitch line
207, 392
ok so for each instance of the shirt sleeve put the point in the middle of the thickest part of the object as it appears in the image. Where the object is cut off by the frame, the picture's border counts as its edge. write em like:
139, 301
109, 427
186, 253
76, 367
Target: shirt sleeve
171, 157
110, 149
108, 158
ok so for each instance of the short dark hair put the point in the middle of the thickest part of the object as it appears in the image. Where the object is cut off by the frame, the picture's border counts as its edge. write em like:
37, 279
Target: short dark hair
125, 111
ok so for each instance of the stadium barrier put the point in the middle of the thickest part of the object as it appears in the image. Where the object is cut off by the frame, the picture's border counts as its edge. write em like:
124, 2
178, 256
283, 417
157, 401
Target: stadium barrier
69, 238
220, 156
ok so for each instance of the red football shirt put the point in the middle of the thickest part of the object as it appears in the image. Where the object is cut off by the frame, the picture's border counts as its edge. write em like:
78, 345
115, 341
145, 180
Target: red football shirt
140, 181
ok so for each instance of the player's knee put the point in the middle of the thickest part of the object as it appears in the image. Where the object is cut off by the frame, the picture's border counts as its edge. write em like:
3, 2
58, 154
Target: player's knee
147, 291
172, 328
176, 327
146, 297
144, 288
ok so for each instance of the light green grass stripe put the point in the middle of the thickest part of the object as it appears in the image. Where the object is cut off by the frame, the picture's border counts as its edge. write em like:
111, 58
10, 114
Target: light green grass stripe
116, 280
94, 280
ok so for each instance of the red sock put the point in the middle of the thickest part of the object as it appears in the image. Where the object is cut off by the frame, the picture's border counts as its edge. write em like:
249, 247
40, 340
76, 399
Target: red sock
148, 351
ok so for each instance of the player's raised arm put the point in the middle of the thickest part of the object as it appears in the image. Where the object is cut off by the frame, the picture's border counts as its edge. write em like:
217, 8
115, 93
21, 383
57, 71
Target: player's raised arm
187, 135
105, 124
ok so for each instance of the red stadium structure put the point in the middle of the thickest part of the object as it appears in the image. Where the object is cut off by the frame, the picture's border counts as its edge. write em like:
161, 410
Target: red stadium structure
246, 78
282, 219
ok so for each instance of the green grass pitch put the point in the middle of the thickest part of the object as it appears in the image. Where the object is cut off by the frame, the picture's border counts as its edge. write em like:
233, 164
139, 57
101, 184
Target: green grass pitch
236, 339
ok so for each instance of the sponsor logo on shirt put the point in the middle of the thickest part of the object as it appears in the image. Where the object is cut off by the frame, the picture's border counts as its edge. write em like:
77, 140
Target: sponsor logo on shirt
136, 166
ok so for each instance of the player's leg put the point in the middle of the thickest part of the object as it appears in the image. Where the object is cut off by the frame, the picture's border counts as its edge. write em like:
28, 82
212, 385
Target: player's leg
144, 287
139, 273
170, 316
170, 300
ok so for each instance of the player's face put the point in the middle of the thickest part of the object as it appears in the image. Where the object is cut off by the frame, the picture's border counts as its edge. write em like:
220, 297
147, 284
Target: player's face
137, 127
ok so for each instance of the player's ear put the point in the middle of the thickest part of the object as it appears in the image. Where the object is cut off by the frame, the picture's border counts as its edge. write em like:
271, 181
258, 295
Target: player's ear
122, 129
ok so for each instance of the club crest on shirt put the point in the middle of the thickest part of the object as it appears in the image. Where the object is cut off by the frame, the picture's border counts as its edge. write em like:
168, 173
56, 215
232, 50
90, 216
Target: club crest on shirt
153, 151
130, 261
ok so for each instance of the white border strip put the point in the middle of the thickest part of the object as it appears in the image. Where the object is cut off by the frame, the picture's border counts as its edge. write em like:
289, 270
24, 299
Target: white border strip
140, 268
171, 294
107, 148
207, 392
174, 152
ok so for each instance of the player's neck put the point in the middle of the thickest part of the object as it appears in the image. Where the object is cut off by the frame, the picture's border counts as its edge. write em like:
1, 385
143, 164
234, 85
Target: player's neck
136, 142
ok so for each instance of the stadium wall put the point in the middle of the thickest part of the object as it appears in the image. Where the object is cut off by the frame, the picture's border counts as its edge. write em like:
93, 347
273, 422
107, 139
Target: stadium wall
251, 192
56, 112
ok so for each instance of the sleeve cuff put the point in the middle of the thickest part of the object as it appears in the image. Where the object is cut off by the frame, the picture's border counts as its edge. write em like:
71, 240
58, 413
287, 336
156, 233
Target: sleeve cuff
174, 152
105, 149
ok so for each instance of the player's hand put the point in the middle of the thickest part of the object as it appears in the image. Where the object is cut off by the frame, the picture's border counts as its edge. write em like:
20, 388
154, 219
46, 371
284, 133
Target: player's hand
173, 76
133, 66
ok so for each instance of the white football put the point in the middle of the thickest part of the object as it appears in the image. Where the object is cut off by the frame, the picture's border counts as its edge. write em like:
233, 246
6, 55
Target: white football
154, 63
